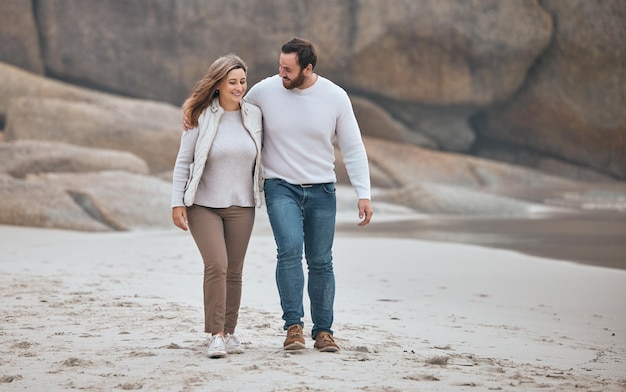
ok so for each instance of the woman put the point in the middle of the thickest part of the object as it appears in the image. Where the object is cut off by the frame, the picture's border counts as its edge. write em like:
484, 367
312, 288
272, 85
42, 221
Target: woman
217, 184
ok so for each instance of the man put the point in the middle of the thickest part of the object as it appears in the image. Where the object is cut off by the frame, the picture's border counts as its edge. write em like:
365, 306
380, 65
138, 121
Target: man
303, 114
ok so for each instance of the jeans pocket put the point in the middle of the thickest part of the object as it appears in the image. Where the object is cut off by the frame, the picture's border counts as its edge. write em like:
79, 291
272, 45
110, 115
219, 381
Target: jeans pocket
329, 188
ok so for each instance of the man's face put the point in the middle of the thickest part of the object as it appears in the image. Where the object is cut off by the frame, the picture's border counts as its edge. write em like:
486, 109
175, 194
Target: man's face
288, 69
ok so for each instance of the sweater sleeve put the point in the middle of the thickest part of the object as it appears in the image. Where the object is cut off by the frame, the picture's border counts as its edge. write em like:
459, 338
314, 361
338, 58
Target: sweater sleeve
353, 150
252, 96
182, 166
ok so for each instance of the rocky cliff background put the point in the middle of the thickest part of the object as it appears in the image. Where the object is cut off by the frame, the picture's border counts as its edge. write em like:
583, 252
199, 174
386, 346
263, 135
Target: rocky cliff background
466, 106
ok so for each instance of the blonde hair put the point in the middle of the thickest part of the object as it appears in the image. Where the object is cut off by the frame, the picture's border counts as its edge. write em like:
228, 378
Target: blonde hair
205, 89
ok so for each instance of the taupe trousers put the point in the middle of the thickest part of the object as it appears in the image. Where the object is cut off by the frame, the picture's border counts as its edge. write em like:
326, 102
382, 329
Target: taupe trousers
222, 236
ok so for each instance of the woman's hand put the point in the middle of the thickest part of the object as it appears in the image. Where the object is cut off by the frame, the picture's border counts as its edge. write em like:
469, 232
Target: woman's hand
179, 217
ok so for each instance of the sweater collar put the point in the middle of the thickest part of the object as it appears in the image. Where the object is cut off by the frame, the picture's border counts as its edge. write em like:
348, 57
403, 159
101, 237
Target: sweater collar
215, 106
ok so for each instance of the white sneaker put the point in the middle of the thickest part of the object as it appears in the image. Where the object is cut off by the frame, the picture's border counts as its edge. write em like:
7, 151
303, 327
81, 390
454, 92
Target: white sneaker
217, 347
232, 345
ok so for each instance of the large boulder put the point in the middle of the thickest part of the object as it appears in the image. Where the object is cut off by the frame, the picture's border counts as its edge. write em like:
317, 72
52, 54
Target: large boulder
22, 157
572, 105
517, 155
122, 200
121, 125
427, 51
152, 118
446, 52
101, 45
97, 201
540, 77
374, 121
436, 182
42, 204
407, 165
440, 199
17, 82
19, 36
461, 55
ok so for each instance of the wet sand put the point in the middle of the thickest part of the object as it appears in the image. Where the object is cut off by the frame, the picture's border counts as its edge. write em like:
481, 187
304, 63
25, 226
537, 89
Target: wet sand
593, 238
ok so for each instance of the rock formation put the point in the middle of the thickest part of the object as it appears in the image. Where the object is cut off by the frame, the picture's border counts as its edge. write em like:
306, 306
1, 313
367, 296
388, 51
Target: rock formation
443, 90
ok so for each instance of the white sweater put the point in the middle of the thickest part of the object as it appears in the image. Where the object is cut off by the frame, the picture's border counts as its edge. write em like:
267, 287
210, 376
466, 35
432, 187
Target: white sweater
299, 128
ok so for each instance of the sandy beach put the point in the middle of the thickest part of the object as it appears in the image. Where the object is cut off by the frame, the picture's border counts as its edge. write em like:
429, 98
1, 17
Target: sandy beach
123, 311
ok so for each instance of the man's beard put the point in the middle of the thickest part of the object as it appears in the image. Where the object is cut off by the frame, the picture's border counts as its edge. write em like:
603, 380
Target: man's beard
297, 82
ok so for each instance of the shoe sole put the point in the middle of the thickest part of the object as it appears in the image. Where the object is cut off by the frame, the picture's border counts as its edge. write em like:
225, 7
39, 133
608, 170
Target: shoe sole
237, 351
217, 354
295, 346
329, 349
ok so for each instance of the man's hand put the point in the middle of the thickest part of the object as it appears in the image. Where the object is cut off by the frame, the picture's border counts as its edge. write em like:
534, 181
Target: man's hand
179, 217
365, 212
186, 123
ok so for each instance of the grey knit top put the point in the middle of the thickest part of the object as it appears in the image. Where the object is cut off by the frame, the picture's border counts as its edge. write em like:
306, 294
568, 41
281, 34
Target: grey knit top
227, 179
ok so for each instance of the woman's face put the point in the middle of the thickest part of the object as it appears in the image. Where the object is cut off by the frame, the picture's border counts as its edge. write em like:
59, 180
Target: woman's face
232, 88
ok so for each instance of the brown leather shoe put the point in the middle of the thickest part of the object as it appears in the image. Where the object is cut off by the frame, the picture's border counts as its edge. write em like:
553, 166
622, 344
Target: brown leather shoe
294, 340
325, 342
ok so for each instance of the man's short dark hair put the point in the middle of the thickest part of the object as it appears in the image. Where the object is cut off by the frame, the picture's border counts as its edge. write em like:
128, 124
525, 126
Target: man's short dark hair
304, 50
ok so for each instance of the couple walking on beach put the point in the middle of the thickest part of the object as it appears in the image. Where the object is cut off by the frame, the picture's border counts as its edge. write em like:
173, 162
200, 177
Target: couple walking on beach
278, 140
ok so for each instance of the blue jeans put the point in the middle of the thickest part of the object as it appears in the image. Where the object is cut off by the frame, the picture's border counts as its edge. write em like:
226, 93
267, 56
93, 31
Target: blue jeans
303, 217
